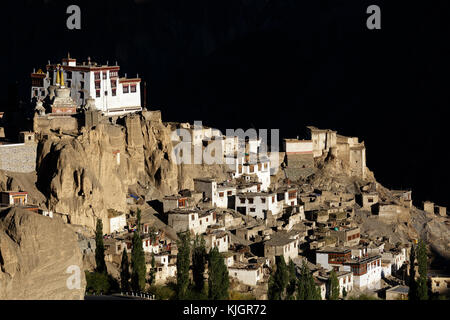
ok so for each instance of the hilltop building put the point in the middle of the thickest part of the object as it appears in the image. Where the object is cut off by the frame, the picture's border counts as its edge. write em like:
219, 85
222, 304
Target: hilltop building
113, 95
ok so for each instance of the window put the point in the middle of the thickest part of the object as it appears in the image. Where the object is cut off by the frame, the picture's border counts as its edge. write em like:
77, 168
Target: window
240, 168
97, 93
113, 92
259, 166
242, 200
104, 75
250, 200
82, 75
370, 200
97, 75
273, 199
252, 168
81, 84
68, 84
69, 75
133, 88
113, 74
192, 217
252, 209
181, 203
263, 200
265, 165
229, 193
113, 83
206, 219
221, 194
97, 84
125, 89
292, 194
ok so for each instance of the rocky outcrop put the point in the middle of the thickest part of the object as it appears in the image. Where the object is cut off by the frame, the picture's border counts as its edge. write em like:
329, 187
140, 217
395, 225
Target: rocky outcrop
36, 254
85, 175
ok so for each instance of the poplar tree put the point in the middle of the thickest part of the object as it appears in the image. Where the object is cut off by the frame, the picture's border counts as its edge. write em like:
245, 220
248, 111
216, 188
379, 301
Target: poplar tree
99, 248
199, 259
412, 294
183, 263
306, 286
280, 279
334, 286
218, 278
125, 272
152, 270
290, 290
138, 259
422, 288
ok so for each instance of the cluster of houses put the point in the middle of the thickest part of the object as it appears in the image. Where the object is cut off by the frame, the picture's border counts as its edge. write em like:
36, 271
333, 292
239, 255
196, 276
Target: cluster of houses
249, 217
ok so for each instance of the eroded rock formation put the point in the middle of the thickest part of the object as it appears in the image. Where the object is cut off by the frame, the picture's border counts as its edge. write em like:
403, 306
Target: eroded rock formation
35, 254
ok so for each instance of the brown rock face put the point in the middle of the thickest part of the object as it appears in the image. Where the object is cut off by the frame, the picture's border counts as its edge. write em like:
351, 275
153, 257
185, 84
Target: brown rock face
85, 176
35, 254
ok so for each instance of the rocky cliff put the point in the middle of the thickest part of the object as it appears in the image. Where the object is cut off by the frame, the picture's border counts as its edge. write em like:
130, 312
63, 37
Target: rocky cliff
35, 254
84, 176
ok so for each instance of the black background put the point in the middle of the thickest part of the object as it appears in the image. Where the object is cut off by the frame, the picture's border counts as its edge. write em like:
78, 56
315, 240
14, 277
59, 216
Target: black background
266, 64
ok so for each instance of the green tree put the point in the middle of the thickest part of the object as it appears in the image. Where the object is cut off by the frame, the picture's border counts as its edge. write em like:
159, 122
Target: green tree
412, 294
183, 263
422, 261
292, 284
218, 278
125, 272
279, 282
199, 259
306, 286
138, 269
334, 286
152, 274
99, 248
97, 282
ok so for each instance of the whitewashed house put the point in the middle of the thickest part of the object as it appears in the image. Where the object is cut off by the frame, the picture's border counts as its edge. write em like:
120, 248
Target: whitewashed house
194, 221
258, 204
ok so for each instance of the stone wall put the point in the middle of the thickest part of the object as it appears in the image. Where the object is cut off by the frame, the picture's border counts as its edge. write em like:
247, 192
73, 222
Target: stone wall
43, 124
18, 157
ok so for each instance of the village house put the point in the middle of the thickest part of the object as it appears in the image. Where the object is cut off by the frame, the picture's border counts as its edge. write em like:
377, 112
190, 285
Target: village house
282, 244
251, 164
164, 269
258, 204
177, 201
194, 221
219, 239
221, 195
256, 233
389, 211
440, 281
347, 236
397, 257
14, 198
345, 281
404, 197
287, 195
229, 218
117, 221
366, 270
399, 292
368, 200
247, 273
430, 207
386, 268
